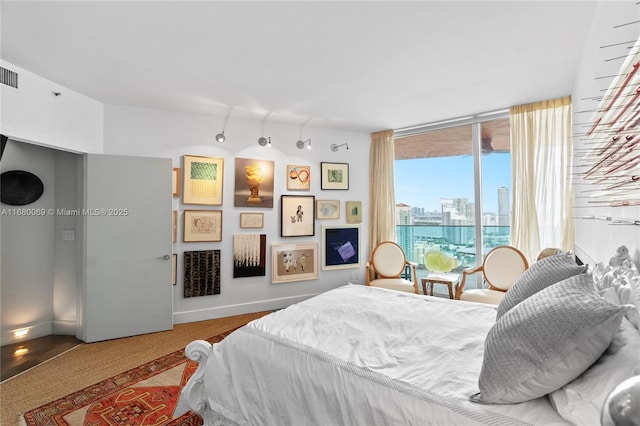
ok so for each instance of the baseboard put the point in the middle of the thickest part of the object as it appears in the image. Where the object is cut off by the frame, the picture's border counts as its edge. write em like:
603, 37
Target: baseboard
239, 309
35, 331
66, 328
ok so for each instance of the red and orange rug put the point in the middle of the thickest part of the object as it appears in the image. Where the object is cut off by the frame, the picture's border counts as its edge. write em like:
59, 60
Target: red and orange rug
144, 396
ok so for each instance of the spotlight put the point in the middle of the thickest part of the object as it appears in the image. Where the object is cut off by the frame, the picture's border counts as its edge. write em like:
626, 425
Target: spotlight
220, 137
335, 147
300, 144
262, 141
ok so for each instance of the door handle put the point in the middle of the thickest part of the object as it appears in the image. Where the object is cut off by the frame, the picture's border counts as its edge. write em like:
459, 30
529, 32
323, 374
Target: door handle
165, 257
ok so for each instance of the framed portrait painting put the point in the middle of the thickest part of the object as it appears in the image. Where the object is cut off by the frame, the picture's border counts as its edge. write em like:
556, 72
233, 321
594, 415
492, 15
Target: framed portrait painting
202, 225
294, 262
334, 176
297, 215
340, 247
202, 180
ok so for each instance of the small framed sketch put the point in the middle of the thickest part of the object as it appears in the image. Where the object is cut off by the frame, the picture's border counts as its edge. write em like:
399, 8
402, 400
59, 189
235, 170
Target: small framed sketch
334, 175
328, 209
354, 211
294, 262
175, 226
175, 181
340, 247
251, 220
202, 183
174, 268
202, 225
297, 215
298, 178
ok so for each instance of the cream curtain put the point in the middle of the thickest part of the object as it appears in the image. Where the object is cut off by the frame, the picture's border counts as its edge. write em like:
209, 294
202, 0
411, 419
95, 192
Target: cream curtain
382, 224
541, 158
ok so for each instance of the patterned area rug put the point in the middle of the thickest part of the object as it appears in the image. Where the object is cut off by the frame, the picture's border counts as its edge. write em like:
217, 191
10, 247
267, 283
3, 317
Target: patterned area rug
144, 396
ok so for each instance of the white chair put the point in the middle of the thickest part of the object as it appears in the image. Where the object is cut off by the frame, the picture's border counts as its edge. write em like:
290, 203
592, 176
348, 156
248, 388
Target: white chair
386, 266
501, 267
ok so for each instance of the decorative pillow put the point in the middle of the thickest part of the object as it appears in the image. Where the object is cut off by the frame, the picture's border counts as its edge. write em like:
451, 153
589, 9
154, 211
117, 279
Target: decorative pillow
546, 341
580, 401
540, 275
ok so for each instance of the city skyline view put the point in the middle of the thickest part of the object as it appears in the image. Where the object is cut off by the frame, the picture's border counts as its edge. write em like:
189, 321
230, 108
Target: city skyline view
423, 182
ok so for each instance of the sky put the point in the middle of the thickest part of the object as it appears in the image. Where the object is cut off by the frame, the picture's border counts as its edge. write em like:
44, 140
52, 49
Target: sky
423, 182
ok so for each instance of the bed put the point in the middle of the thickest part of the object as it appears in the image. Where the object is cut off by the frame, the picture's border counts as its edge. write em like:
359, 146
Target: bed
359, 355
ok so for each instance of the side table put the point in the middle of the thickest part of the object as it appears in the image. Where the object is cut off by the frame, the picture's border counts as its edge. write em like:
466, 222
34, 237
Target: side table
440, 278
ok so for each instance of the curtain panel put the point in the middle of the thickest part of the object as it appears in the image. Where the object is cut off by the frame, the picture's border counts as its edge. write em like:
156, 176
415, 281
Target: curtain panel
382, 226
541, 160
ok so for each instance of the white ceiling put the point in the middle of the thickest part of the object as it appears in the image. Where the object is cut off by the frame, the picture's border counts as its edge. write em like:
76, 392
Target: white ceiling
358, 65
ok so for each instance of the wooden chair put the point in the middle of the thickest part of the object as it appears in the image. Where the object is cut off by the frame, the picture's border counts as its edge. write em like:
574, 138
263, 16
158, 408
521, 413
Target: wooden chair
501, 267
386, 266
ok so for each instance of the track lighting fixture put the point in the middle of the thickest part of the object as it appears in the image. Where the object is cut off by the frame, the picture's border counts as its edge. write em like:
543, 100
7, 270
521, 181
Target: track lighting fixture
300, 144
335, 147
220, 137
262, 141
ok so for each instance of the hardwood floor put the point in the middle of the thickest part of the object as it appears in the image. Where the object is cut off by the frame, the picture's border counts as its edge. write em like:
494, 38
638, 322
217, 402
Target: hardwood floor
19, 357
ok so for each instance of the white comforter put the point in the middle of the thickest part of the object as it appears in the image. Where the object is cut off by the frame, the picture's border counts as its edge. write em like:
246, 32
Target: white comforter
356, 355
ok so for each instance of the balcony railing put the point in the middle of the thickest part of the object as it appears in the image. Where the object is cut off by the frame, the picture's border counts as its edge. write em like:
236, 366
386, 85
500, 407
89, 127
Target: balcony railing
456, 241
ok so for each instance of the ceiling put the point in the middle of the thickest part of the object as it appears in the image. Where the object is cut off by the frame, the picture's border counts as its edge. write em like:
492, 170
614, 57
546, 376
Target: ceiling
354, 65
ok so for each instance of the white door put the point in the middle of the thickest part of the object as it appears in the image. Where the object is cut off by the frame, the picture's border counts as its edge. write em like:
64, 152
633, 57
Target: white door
127, 244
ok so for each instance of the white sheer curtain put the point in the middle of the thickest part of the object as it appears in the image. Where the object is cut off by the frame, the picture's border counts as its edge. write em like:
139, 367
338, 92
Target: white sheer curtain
541, 158
382, 224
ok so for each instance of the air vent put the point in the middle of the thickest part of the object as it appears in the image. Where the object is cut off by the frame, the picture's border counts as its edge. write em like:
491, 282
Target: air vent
8, 78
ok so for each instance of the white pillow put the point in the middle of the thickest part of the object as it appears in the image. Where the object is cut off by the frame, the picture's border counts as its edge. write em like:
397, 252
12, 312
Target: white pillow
546, 341
580, 401
543, 273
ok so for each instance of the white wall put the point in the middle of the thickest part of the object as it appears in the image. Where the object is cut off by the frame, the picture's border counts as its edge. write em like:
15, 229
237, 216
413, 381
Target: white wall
70, 121
145, 132
597, 240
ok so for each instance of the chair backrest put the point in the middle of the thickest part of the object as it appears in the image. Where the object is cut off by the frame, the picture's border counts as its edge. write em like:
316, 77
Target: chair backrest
502, 266
436, 261
388, 259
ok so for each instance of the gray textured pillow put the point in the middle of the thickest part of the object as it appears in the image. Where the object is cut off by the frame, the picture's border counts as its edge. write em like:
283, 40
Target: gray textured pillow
546, 341
540, 275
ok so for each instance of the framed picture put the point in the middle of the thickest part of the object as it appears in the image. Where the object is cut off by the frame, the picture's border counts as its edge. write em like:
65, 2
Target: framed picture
328, 209
294, 262
175, 181
249, 255
298, 178
202, 225
297, 215
253, 183
175, 226
340, 247
202, 180
251, 220
334, 175
201, 273
354, 211
174, 268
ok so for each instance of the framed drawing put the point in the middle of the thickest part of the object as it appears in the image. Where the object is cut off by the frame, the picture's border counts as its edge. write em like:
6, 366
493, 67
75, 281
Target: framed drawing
249, 255
340, 247
298, 178
251, 220
334, 175
354, 211
328, 209
297, 218
174, 268
175, 181
202, 180
253, 183
175, 226
201, 273
294, 262
202, 225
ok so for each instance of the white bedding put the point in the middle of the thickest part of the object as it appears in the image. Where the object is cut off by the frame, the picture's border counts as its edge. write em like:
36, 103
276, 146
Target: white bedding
355, 355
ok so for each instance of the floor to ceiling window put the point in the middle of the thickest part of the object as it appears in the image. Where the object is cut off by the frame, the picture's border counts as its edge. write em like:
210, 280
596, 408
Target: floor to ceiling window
453, 186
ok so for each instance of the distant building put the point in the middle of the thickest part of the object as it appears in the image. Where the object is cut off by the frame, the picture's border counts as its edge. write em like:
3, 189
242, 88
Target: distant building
503, 206
404, 234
